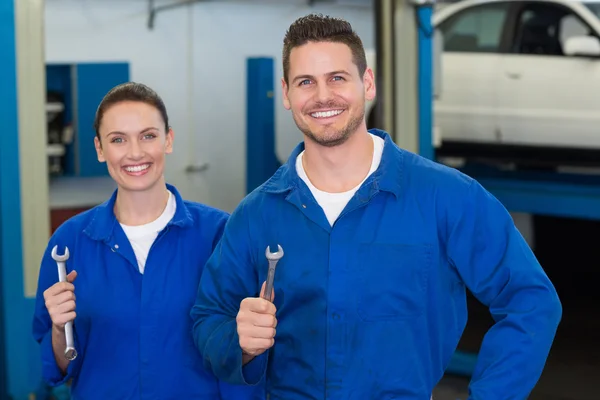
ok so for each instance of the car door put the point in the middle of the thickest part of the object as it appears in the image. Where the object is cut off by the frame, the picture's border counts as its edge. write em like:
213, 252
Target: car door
465, 111
545, 98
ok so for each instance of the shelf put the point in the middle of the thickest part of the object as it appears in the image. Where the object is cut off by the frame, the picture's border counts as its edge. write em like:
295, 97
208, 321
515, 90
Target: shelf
77, 192
55, 150
54, 107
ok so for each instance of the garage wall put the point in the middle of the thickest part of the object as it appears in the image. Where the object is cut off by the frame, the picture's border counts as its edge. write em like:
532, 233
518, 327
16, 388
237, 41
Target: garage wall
195, 57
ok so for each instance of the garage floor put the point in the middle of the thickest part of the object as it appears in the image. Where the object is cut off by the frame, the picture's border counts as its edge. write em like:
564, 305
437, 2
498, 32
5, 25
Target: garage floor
569, 251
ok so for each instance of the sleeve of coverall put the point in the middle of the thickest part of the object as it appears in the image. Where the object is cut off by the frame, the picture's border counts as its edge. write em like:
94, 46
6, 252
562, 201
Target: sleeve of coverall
501, 271
42, 324
228, 277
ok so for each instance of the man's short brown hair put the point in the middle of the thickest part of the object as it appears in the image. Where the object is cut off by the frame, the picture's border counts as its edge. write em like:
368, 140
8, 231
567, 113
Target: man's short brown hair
320, 28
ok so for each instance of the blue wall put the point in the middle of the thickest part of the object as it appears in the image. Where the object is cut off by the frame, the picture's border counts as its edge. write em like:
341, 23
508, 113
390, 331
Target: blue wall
20, 369
8, 113
83, 85
58, 79
19, 348
93, 82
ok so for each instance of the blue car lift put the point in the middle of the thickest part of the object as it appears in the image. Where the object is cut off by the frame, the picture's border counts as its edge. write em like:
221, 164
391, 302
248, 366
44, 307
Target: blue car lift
554, 194
540, 193
462, 363
261, 158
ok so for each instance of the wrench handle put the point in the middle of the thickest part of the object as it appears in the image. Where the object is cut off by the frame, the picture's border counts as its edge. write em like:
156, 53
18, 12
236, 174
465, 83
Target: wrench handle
270, 279
62, 271
70, 352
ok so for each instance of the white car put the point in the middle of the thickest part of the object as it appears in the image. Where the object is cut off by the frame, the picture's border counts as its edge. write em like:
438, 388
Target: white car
520, 80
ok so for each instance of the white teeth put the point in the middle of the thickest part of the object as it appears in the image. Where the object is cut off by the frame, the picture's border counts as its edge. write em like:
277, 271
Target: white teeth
326, 114
137, 168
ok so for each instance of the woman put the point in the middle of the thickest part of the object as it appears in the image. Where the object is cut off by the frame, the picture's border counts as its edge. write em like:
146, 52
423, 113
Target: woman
133, 271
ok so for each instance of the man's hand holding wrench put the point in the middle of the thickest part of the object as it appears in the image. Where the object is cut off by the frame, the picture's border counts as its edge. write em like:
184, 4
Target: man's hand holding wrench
60, 303
256, 321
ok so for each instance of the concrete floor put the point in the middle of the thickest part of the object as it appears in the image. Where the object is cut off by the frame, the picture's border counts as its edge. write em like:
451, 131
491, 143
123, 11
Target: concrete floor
452, 388
569, 252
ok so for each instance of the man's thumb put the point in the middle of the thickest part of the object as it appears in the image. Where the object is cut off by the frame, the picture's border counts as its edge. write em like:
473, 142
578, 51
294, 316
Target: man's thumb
262, 292
71, 277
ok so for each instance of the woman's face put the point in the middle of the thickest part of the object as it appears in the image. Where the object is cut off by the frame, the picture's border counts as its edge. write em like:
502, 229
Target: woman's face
133, 143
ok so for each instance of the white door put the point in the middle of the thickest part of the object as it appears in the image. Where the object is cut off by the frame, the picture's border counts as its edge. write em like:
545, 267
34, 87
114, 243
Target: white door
466, 108
547, 98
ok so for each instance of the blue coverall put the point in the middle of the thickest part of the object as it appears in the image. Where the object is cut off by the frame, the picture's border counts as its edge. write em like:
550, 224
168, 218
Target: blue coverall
373, 307
133, 332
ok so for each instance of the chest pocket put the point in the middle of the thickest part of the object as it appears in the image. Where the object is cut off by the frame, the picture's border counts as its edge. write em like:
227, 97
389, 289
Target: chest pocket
392, 281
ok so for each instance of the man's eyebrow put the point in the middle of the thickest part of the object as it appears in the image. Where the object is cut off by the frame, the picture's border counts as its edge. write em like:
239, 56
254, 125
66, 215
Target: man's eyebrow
302, 77
339, 72
332, 73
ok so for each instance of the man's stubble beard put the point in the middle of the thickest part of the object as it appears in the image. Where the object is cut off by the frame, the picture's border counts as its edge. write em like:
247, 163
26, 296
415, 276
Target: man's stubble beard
337, 138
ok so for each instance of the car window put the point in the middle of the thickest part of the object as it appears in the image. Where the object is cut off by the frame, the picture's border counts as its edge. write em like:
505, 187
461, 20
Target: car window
476, 29
569, 26
593, 7
543, 29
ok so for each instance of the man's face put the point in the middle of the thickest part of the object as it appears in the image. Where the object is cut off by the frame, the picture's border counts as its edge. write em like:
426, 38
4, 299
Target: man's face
325, 93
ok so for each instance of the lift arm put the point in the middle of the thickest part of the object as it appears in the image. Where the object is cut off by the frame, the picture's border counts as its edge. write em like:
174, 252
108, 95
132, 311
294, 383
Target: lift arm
405, 73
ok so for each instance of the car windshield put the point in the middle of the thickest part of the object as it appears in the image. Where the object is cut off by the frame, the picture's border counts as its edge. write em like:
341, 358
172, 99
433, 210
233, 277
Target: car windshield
594, 7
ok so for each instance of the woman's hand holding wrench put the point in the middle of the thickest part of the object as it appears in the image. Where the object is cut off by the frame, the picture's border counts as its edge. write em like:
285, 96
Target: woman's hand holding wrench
60, 302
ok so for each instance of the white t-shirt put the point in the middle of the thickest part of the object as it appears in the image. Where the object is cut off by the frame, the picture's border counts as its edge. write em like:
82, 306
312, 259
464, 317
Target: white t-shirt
141, 237
333, 203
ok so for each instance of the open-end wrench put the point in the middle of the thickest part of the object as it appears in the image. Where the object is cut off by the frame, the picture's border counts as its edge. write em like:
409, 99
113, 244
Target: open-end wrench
273, 258
70, 352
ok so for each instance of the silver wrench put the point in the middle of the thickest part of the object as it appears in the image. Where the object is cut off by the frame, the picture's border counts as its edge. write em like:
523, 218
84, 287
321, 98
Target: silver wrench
273, 258
70, 352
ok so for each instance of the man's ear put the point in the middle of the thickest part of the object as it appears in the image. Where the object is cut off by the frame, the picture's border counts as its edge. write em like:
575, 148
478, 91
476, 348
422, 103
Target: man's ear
99, 152
369, 82
169, 141
284, 91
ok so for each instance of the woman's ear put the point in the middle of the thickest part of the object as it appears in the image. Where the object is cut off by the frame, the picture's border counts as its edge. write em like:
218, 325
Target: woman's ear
99, 152
169, 141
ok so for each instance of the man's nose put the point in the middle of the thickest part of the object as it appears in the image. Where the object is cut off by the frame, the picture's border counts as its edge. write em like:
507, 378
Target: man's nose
323, 93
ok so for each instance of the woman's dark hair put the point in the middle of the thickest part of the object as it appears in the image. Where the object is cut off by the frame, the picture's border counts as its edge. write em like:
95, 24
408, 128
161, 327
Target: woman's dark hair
130, 91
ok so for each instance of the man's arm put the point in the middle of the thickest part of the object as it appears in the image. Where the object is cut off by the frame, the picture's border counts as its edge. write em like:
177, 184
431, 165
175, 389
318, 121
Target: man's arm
499, 268
228, 277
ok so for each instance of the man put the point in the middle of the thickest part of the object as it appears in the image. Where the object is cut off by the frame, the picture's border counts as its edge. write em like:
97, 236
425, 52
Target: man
379, 247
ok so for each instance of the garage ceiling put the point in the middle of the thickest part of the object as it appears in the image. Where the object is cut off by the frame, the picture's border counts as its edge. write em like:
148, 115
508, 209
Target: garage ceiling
156, 6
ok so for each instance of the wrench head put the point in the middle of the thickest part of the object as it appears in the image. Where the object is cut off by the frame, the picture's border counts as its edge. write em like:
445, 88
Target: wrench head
274, 256
70, 353
57, 257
